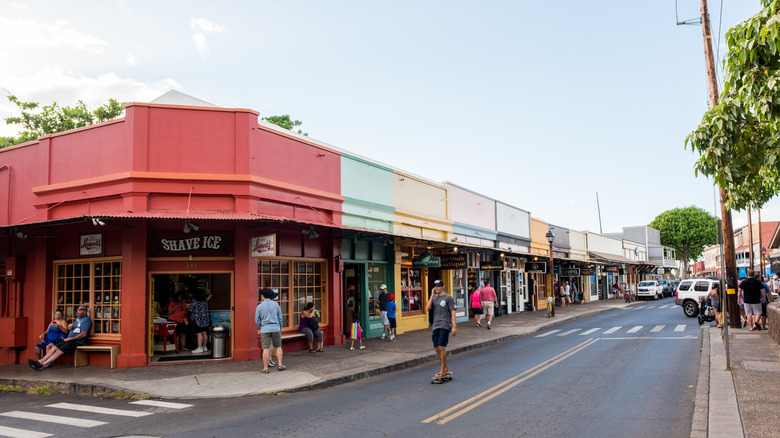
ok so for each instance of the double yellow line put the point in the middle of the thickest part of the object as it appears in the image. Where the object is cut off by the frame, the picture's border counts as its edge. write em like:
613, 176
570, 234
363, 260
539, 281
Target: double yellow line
479, 399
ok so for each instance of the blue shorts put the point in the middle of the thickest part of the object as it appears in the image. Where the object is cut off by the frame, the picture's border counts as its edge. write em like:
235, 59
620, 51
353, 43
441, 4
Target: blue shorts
441, 337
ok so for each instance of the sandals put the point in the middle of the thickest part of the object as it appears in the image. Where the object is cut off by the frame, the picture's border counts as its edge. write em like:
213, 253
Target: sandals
264, 371
312, 351
282, 367
321, 350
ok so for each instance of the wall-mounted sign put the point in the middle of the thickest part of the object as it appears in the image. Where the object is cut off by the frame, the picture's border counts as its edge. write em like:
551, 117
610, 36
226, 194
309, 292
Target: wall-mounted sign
495, 265
587, 271
536, 267
453, 261
611, 269
91, 244
570, 272
263, 246
426, 260
775, 261
165, 244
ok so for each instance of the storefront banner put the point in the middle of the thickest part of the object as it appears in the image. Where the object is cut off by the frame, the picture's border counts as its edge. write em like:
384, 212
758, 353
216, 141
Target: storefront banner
775, 267
612, 269
208, 244
536, 267
570, 272
91, 244
453, 261
497, 265
263, 246
587, 271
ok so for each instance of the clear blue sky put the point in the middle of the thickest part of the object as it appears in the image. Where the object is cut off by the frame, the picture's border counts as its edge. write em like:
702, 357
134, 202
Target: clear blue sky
537, 104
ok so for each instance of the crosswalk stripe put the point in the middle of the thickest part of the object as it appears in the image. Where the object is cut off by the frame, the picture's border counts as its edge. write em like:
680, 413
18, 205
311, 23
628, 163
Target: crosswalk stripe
99, 410
548, 333
68, 421
21, 433
569, 332
612, 330
680, 328
636, 329
657, 328
587, 332
161, 404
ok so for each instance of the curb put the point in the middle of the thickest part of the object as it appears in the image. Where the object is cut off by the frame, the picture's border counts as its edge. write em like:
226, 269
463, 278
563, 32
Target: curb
701, 409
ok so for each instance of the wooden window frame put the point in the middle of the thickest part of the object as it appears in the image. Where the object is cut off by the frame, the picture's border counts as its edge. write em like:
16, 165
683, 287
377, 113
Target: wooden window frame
298, 286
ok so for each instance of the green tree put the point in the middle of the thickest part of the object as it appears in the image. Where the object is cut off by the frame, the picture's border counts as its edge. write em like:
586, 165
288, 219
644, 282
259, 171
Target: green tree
285, 122
53, 118
738, 139
688, 230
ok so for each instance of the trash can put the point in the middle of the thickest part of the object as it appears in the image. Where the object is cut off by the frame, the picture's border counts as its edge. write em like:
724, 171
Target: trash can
219, 341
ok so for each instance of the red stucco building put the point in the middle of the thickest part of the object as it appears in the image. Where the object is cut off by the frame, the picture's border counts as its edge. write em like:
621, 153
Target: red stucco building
122, 215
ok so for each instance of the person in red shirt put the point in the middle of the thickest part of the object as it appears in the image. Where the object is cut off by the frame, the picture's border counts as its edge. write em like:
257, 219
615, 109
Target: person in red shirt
487, 295
177, 312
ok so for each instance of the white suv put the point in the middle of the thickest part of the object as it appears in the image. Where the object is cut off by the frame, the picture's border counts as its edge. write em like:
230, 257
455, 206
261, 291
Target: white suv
651, 289
689, 291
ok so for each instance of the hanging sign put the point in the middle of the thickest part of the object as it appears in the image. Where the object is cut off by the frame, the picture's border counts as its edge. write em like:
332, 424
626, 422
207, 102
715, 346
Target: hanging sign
426, 260
587, 271
570, 272
91, 244
536, 267
612, 269
496, 265
263, 246
453, 261
775, 261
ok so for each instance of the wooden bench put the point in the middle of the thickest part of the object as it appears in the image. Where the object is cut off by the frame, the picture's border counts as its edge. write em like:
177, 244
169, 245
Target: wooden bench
81, 355
293, 336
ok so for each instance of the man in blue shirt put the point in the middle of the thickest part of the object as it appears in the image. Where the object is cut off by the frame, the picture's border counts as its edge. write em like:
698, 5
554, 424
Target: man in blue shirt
268, 317
79, 331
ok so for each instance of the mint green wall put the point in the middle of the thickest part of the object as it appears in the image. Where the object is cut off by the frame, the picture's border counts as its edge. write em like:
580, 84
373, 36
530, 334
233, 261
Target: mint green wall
368, 194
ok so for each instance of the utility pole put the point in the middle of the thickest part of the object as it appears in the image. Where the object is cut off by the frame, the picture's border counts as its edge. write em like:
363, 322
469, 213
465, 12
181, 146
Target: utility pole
752, 266
729, 255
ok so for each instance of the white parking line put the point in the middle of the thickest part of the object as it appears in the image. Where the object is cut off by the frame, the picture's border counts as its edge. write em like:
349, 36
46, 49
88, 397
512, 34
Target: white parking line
569, 332
587, 332
636, 329
657, 328
612, 330
99, 410
548, 333
161, 404
68, 421
680, 328
21, 433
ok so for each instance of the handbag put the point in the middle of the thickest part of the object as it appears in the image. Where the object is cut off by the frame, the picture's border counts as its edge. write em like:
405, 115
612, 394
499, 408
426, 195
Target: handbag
313, 324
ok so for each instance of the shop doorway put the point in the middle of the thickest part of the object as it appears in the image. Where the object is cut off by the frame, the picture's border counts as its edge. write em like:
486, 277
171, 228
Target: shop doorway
217, 290
353, 295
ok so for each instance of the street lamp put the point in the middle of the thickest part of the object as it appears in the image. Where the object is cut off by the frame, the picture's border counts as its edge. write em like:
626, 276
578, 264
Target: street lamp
551, 297
763, 254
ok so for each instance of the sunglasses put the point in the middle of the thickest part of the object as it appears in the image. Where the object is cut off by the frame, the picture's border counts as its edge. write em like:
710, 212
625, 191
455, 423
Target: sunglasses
81, 308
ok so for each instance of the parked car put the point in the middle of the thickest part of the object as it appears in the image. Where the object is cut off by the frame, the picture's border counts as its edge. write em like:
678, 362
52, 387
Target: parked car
688, 293
649, 289
668, 288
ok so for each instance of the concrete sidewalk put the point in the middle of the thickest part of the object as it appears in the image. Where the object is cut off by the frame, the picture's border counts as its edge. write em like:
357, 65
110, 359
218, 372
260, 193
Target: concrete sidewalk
755, 364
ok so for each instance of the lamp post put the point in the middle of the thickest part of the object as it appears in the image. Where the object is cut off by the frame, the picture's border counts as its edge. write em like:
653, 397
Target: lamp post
551, 297
763, 255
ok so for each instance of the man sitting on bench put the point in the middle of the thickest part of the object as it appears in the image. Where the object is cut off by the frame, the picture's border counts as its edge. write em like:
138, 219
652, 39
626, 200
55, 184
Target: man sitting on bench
77, 336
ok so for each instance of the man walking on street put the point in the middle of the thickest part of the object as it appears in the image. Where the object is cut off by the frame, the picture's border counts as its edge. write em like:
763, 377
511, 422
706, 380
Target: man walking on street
487, 296
383, 310
752, 290
443, 307
268, 317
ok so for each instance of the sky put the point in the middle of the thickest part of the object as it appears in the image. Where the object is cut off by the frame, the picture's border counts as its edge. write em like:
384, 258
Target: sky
541, 105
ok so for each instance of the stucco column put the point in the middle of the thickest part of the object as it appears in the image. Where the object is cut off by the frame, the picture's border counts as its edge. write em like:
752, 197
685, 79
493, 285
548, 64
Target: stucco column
246, 342
135, 317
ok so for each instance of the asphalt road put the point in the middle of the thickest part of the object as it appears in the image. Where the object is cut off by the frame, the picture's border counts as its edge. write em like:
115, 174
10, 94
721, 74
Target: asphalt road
595, 377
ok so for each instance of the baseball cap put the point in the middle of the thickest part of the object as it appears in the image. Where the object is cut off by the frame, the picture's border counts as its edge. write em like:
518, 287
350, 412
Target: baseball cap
391, 297
438, 283
384, 286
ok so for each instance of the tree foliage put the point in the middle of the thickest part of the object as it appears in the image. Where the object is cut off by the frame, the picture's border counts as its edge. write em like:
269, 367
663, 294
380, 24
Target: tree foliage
53, 118
738, 139
285, 122
688, 230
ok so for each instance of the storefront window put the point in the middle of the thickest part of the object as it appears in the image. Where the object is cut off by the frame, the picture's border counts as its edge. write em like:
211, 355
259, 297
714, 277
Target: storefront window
296, 283
95, 284
377, 275
411, 291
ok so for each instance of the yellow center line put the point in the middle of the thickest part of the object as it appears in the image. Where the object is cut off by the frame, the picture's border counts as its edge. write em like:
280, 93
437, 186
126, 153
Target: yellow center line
488, 394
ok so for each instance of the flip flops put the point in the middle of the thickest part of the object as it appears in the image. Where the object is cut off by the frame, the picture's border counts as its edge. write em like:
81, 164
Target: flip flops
282, 367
